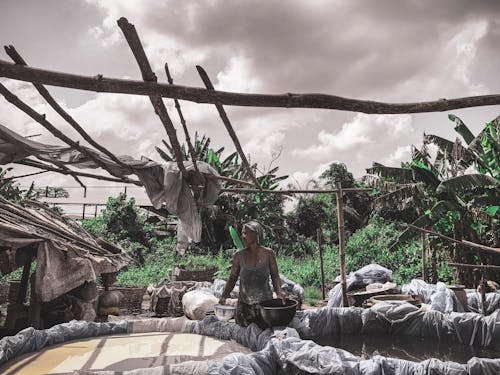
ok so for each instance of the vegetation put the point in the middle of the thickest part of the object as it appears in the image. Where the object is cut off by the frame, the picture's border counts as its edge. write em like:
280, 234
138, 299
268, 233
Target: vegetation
454, 191
446, 197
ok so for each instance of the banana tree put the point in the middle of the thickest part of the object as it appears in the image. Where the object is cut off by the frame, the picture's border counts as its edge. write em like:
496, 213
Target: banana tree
447, 198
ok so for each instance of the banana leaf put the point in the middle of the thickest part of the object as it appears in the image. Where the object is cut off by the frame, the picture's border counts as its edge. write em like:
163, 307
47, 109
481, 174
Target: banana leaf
236, 239
462, 129
163, 154
402, 175
466, 182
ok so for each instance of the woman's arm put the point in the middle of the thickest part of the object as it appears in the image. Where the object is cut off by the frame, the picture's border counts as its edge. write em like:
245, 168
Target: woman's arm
275, 276
231, 282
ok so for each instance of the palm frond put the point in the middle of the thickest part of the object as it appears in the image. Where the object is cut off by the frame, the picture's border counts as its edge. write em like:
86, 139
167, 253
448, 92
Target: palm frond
163, 154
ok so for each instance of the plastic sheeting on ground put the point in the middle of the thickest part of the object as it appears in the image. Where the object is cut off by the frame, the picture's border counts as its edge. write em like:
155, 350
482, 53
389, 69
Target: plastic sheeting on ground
400, 318
283, 351
475, 304
372, 273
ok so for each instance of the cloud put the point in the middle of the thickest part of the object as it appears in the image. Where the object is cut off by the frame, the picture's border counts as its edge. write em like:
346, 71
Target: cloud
357, 136
402, 153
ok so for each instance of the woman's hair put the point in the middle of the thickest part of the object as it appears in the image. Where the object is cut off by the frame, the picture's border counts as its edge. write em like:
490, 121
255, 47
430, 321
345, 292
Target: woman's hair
255, 227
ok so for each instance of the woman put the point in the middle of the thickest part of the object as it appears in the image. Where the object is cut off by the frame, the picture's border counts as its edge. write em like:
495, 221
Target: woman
253, 265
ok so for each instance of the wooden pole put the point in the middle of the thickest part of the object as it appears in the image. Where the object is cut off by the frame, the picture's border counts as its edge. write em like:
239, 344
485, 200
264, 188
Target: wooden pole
341, 229
319, 237
289, 191
23, 287
148, 75
183, 122
67, 171
16, 57
35, 306
469, 244
99, 83
424, 256
222, 113
13, 99
474, 266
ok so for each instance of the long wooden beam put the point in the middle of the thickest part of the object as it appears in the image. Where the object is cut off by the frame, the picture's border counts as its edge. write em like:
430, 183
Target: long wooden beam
99, 83
478, 266
16, 57
148, 75
469, 244
290, 191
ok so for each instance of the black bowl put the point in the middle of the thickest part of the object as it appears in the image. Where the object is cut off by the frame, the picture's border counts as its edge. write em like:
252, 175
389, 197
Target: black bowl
274, 313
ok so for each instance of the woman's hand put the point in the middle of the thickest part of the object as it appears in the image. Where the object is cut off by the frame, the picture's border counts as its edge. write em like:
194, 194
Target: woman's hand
282, 297
222, 301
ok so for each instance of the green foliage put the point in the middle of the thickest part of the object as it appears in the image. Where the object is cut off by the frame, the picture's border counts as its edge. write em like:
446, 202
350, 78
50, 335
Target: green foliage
312, 295
11, 191
235, 209
122, 222
371, 245
337, 172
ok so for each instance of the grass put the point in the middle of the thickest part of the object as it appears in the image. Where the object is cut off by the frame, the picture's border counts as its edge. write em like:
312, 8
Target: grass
312, 295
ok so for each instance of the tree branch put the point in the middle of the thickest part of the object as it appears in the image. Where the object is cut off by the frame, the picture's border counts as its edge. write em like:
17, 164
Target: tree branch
148, 75
16, 57
229, 127
67, 171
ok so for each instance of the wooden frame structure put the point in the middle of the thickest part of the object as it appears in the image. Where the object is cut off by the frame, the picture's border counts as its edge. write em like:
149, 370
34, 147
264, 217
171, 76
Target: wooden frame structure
157, 91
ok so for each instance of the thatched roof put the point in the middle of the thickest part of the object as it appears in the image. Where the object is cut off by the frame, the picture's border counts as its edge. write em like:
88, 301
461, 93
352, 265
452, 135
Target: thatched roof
66, 254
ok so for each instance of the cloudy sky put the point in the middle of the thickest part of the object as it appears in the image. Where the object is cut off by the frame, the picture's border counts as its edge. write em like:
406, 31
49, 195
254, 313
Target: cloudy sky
385, 50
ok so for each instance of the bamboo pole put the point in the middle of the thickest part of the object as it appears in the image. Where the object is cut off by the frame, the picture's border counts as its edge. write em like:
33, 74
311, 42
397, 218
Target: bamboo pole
469, 244
148, 75
341, 229
319, 238
229, 179
16, 57
13, 99
474, 266
99, 83
222, 113
289, 191
67, 171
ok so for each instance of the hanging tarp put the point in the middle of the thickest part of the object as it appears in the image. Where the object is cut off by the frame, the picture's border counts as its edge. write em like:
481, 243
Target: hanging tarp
163, 183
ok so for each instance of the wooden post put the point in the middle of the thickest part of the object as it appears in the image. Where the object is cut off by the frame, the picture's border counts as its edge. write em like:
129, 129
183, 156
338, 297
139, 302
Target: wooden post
340, 220
95, 212
424, 256
319, 237
23, 287
83, 213
35, 306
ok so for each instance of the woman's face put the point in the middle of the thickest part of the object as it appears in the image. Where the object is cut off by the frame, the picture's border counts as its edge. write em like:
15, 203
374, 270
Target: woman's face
248, 236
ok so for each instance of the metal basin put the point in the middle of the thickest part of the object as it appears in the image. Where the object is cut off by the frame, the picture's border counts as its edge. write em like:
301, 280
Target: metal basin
274, 313
224, 312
